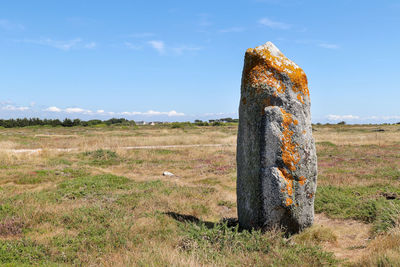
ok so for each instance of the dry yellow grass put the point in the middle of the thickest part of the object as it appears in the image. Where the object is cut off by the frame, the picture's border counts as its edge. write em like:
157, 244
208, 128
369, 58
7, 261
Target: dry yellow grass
204, 186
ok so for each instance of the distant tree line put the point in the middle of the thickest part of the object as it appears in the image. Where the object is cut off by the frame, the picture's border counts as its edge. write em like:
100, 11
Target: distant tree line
217, 122
11, 123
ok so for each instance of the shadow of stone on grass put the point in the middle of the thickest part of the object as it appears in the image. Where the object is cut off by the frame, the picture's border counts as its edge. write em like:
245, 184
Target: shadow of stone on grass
183, 218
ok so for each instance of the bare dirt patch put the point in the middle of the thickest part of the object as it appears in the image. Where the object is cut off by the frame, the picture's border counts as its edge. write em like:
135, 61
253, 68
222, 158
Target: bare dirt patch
351, 237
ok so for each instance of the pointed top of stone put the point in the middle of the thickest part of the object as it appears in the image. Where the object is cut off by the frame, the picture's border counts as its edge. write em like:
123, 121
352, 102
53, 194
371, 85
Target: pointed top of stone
271, 53
272, 49
268, 58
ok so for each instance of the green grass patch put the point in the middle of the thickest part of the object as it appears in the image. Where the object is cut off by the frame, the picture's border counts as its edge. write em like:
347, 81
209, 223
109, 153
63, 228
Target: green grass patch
22, 252
102, 157
163, 151
326, 143
209, 181
36, 177
371, 204
91, 186
59, 161
220, 243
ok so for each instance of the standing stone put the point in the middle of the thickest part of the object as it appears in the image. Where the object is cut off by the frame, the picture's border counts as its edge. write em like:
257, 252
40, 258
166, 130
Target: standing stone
276, 158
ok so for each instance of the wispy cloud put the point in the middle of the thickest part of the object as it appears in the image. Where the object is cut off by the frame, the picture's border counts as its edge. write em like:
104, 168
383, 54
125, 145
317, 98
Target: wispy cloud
14, 108
342, 117
185, 48
65, 45
9, 26
78, 110
132, 46
374, 119
232, 29
219, 114
274, 24
141, 35
90, 45
157, 45
329, 46
378, 118
318, 43
171, 113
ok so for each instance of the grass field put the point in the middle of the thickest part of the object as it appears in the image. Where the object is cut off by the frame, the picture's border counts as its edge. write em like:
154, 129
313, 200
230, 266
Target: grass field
104, 203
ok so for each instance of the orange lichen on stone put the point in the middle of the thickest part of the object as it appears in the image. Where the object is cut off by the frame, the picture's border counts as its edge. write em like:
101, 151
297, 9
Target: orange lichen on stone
302, 180
300, 98
290, 156
304, 132
289, 201
261, 75
266, 66
289, 182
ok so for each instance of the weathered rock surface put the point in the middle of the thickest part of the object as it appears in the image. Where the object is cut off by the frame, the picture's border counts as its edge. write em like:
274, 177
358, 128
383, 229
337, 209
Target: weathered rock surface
276, 157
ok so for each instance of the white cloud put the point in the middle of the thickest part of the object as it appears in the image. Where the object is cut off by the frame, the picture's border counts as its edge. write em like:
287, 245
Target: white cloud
393, 117
274, 24
77, 110
329, 46
65, 45
157, 45
342, 117
232, 29
69, 110
171, 113
9, 26
14, 108
53, 109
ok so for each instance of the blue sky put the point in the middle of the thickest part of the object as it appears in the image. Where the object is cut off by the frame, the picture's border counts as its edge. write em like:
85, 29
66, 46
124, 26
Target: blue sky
182, 60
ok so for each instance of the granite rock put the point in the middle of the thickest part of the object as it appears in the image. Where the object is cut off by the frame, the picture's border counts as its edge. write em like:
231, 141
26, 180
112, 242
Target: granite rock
276, 156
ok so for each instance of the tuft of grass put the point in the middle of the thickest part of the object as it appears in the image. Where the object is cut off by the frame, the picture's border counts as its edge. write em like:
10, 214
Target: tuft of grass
326, 144
102, 157
315, 235
226, 203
